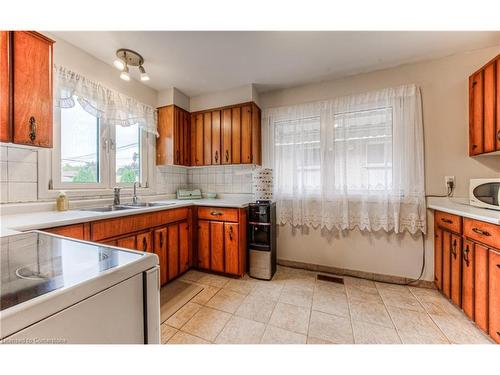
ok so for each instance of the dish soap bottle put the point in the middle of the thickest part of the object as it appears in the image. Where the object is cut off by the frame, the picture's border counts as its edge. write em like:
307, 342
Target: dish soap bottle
62, 201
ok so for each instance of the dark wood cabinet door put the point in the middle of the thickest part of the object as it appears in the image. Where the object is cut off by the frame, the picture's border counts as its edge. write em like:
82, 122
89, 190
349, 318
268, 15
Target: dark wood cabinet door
497, 116
481, 286
187, 137
144, 243
199, 158
173, 251
207, 138
177, 136
256, 135
438, 258
160, 249
183, 247
217, 246
226, 136
231, 248
127, 242
192, 135
32, 89
489, 130
468, 278
216, 156
456, 269
494, 294
447, 263
165, 141
236, 135
204, 244
476, 114
5, 97
246, 134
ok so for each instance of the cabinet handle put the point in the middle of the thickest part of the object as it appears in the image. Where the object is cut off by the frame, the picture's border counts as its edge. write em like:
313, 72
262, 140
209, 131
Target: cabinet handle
474, 146
481, 232
498, 265
216, 213
161, 239
454, 249
447, 221
32, 133
230, 233
227, 155
216, 156
466, 255
498, 135
144, 244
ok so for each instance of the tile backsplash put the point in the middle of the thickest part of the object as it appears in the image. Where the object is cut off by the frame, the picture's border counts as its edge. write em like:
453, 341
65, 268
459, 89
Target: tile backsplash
229, 179
19, 174
170, 178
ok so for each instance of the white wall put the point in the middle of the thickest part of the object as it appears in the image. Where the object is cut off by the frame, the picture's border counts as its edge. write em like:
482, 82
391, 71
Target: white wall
444, 85
246, 93
172, 96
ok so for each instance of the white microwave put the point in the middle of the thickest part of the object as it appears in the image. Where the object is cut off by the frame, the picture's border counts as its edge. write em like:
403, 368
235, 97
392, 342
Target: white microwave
485, 192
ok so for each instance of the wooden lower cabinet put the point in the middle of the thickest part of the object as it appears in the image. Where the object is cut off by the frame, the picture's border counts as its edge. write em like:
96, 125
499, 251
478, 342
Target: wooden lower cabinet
468, 279
144, 242
438, 258
217, 246
231, 245
204, 244
494, 294
456, 269
184, 245
160, 249
78, 231
447, 263
173, 251
127, 242
481, 286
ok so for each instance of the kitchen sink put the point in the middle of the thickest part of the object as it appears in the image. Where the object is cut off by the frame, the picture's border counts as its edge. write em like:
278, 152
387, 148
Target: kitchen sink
146, 204
108, 208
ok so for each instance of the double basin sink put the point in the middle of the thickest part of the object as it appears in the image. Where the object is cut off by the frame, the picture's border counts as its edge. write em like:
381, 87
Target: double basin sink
125, 206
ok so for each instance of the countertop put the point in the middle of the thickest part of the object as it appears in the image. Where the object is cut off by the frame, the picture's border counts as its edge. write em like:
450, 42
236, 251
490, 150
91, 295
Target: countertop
15, 223
461, 207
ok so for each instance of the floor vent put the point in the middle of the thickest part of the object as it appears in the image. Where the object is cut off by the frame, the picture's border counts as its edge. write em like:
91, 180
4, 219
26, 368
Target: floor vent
332, 279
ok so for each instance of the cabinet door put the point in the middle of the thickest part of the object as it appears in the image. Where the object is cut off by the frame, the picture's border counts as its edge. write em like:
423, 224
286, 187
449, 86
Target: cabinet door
246, 134
494, 295
468, 279
173, 251
489, 131
456, 269
447, 263
165, 141
199, 140
177, 135
207, 142
144, 242
217, 246
226, 137
481, 286
73, 231
187, 137
236, 135
5, 66
231, 248
127, 242
160, 249
192, 127
498, 104
256, 136
204, 244
476, 113
438, 258
216, 156
32, 89
183, 247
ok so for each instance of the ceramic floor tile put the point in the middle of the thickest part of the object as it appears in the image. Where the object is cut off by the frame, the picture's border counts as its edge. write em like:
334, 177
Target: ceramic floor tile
192, 275
330, 327
375, 313
329, 287
460, 330
441, 306
214, 280
363, 293
331, 303
256, 308
185, 313
205, 295
226, 300
185, 338
415, 327
167, 332
404, 300
290, 317
317, 341
275, 335
207, 323
240, 286
425, 294
241, 331
267, 290
306, 284
351, 281
366, 333
296, 296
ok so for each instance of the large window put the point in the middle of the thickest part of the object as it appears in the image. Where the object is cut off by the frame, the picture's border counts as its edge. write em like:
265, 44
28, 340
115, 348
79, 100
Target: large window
92, 154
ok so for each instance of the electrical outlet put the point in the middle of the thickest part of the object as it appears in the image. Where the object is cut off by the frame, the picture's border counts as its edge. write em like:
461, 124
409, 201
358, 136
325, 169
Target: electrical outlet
449, 182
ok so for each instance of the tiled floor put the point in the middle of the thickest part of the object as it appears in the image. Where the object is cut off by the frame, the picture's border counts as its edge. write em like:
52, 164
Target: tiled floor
295, 308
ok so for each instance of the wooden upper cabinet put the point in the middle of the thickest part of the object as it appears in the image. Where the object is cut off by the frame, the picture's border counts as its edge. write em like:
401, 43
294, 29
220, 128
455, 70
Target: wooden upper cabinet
484, 112
32, 89
236, 135
256, 135
246, 134
226, 136
199, 139
207, 138
5, 70
172, 145
216, 155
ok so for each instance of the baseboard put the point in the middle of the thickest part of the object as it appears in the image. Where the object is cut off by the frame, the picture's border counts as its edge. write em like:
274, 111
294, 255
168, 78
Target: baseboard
361, 274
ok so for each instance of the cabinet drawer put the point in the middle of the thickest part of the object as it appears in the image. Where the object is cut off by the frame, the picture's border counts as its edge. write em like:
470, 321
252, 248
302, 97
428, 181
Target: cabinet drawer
219, 214
480, 231
448, 221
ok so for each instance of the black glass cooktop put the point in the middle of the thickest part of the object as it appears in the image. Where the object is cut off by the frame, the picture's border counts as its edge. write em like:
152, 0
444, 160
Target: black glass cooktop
33, 264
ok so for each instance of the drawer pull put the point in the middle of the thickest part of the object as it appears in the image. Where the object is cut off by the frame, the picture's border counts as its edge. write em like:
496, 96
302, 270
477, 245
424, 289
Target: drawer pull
144, 244
466, 255
481, 232
216, 213
498, 135
32, 133
161, 239
227, 155
230, 233
216, 156
447, 221
454, 249
498, 265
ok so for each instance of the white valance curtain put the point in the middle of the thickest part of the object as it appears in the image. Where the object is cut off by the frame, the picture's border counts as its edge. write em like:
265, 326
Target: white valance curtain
110, 106
354, 161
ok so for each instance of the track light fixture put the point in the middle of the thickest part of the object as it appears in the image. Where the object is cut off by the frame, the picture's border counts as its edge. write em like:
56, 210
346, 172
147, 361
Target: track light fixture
127, 57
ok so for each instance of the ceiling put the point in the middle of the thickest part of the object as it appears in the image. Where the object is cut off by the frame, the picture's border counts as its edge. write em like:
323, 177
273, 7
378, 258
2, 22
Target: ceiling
200, 62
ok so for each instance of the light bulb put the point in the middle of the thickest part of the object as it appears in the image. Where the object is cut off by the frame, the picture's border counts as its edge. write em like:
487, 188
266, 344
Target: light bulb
124, 74
144, 75
119, 64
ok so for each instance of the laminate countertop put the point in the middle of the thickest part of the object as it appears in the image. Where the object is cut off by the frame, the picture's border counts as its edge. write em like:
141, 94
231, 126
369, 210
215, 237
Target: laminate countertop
461, 207
15, 223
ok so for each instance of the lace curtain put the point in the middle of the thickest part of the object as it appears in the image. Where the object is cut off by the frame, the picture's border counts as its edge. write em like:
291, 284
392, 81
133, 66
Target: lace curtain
111, 107
355, 161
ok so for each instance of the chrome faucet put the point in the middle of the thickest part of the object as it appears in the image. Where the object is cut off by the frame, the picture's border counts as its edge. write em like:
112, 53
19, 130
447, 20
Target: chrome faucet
116, 194
134, 197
